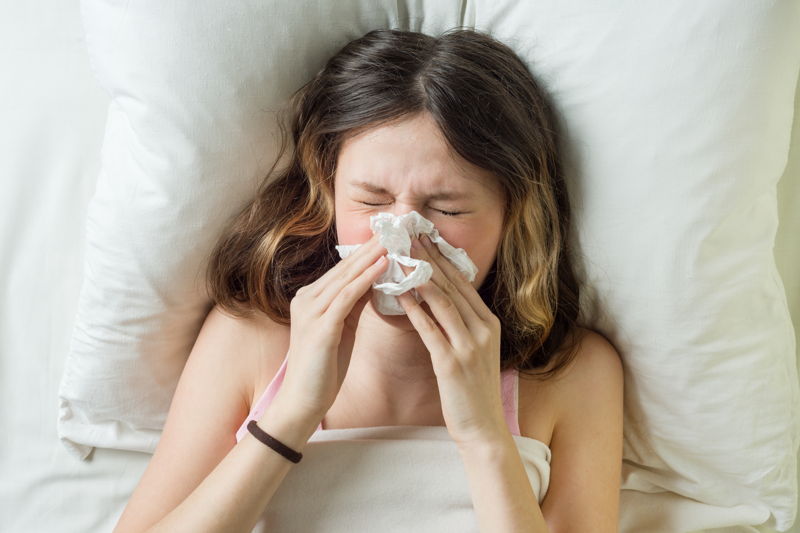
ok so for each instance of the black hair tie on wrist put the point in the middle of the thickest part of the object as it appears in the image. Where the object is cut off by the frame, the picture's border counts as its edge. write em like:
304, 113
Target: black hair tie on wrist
273, 443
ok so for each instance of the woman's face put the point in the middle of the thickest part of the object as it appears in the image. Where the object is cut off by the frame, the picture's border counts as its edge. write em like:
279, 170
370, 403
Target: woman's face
406, 166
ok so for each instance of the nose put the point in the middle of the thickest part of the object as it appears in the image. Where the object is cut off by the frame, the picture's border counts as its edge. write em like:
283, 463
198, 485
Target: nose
401, 208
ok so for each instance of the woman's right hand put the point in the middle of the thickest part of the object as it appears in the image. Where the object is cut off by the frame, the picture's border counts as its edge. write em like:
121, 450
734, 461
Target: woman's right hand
324, 316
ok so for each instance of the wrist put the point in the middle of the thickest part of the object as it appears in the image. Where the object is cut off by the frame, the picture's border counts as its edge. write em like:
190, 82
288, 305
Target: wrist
290, 426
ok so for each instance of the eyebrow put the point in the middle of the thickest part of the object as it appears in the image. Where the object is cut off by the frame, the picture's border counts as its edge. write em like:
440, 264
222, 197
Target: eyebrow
438, 196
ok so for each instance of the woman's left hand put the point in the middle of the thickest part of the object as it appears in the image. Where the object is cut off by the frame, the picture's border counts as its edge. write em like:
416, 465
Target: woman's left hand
463, 338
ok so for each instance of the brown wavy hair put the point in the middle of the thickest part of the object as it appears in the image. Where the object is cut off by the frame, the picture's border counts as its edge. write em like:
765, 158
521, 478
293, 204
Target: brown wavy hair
492, 112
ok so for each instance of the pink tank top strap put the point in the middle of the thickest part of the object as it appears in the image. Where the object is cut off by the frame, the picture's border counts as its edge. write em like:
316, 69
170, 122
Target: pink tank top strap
509, 390
266, 398
510, 395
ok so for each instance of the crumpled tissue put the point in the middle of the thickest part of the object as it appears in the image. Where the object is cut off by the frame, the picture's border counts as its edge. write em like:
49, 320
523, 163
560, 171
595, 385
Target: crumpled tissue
396, 232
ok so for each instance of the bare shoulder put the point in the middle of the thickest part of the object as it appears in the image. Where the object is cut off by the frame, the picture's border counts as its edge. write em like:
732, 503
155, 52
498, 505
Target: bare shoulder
264, 343
211, 399
587, 438
596, 358
596, 368
595, 373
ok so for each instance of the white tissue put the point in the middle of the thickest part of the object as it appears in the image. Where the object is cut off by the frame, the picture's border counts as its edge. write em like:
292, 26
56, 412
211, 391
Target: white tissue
396, 233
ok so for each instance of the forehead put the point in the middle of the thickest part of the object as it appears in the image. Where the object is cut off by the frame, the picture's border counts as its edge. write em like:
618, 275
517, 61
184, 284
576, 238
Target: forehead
411, 152
441, 192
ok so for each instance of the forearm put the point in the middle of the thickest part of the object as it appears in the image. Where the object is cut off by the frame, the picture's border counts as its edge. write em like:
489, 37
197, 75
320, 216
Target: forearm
501, 491
233, 496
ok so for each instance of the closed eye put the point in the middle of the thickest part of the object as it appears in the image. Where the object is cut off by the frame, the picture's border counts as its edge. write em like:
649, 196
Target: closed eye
447, 213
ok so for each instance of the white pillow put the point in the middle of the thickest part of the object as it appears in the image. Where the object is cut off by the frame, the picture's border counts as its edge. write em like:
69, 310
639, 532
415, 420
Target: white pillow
677, 118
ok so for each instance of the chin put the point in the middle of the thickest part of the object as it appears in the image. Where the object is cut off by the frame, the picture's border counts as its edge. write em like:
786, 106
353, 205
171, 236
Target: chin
400, 321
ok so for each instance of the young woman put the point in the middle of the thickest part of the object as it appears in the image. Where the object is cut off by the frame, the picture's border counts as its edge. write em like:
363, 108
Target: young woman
456, 128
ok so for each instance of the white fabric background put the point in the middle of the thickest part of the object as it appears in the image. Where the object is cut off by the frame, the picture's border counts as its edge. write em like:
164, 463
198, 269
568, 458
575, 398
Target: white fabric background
53, 119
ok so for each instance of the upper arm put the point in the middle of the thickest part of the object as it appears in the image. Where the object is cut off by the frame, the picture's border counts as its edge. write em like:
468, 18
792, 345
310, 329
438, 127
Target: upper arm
209, 404
586, 461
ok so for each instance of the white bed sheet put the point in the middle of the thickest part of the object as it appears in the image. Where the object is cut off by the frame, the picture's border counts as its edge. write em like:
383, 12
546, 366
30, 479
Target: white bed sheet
53, 123
53, 116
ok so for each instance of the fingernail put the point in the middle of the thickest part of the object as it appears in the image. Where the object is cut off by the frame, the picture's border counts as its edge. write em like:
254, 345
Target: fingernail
426, 242
415, 244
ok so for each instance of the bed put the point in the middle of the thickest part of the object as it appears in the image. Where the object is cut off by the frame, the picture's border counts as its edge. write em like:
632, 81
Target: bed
65, 468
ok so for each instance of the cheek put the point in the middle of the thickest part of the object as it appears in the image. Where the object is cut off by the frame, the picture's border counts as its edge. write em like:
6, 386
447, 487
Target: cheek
352, 229
479, 241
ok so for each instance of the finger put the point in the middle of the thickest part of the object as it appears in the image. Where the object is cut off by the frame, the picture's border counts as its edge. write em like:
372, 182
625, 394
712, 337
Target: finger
446, 313
428, 329
465, 288
447, 306
447, 284
343, 272
344, 301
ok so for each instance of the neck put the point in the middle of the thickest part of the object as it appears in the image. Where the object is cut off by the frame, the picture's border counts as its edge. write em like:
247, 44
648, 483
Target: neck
390, 371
